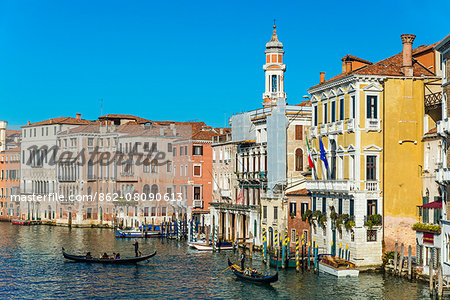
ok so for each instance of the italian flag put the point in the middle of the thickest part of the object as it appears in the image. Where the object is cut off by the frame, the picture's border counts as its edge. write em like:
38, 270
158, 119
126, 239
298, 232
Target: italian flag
310, 161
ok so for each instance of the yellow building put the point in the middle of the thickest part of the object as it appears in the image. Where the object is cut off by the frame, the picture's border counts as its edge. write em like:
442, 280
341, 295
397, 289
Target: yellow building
370, 119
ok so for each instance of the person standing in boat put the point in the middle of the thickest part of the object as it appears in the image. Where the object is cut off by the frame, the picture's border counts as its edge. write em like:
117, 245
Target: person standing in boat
242, 259
136, 248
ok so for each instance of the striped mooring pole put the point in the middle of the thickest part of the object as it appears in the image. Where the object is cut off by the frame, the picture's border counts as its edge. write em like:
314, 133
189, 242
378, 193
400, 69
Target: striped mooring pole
265, 245
340, 249
309, 255
276, 245
179, 230
316, 265
215, 238
283, 255
297, 253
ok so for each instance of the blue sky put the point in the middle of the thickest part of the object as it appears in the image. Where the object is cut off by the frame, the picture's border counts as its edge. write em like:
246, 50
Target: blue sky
170, 60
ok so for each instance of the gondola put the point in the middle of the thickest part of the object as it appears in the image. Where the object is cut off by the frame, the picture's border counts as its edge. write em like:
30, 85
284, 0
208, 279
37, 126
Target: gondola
127, 260
258, 278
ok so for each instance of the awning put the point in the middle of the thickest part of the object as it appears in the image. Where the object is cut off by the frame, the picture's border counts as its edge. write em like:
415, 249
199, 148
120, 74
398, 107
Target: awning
434, 204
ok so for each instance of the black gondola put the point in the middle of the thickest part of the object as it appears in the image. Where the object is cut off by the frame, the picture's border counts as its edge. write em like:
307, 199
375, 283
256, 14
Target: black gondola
258, 278
119, 261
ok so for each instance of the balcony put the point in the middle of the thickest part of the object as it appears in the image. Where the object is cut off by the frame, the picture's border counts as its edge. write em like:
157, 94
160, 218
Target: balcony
443, 127
340, 126
371, 185
225, 193
443, 175
351, 125
314, 132
373, 124
332, 128
198, 204
323, 129
330, 185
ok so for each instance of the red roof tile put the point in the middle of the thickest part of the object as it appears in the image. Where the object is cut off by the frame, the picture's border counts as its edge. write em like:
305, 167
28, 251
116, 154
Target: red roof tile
391, 66
298, 192
62, 120
349, 57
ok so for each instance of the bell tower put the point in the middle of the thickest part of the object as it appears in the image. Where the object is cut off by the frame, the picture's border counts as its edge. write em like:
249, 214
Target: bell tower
274, 71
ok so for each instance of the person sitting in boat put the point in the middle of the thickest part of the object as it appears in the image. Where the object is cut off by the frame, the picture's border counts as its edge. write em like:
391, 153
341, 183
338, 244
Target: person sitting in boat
254, 272
117, 256
88, 255
105, 256
247, 271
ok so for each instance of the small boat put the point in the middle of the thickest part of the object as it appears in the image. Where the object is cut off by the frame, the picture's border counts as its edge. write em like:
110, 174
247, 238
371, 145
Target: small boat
135, 233
209, 247
200, 242
257, 278
21, 222
119, 261
337, 267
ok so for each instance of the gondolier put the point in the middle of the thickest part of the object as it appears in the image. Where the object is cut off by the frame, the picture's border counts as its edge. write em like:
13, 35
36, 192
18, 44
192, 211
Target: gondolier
242, 259
136, 248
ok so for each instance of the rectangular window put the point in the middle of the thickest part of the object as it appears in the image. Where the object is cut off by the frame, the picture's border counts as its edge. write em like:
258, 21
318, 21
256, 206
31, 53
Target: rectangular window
325, 113
186, 150
292, 209
163, 211
169, 147
264, 212
315, 115
341, 109
371, 207
275, 212
324, 205
371, 235
89, 213
197, 193
304, 208
197, 171
181, 151
372, 107
169, 167
333, 111
353, 107
298, 132
371, 173
145, 211
274, 83
352, 208
197, 150
293, 235
174, 152
313, 204
340, 207
153, 211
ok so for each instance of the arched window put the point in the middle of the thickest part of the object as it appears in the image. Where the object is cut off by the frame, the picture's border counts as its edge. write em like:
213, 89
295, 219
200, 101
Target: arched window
146, 189
89, 191
154, 189
299, 159
333, 159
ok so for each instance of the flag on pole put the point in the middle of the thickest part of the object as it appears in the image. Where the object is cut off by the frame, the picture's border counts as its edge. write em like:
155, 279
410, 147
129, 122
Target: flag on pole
240, 198
323, 155
310, 160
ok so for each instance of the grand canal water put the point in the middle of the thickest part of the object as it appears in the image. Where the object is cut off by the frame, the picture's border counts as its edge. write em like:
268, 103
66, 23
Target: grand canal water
32, 266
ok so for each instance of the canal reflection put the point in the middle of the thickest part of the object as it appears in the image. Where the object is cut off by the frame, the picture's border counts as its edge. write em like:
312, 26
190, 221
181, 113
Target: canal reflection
32, 266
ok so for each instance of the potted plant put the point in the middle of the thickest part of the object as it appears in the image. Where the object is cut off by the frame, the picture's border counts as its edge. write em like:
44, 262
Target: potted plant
292, 215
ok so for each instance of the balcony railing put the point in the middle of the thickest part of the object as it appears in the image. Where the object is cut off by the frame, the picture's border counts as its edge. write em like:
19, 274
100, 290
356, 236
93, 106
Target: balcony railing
225, 193
331, 185
443, 175
340, 126
198, 204
323, 129
373, 124
351, 125
332, 128
314, 131
371, 185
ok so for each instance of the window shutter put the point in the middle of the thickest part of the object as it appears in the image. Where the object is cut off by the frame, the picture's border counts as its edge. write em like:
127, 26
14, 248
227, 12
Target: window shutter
368, 107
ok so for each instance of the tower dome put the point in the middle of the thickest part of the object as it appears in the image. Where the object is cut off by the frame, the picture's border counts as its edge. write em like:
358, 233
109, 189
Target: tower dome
274, 42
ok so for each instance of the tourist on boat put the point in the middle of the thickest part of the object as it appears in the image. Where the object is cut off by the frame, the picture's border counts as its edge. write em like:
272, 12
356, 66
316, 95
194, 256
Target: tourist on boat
254, 272
88, 255
105, 256
117, 256
136, 248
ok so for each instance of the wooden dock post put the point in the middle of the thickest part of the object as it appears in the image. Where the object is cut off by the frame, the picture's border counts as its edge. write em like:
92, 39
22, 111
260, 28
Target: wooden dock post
440, 280
395, 258
401, 261
431, 280
303, 254
409, 263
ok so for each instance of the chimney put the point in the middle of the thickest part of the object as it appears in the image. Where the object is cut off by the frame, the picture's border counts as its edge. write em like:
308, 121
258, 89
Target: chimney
28, 122
322, 77
407, 67
78, 116
348, 66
